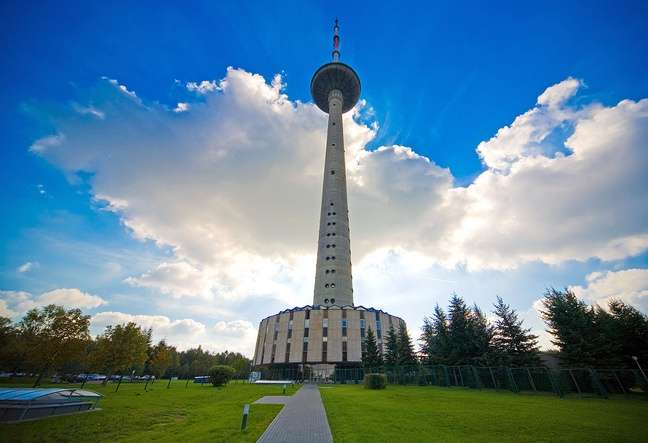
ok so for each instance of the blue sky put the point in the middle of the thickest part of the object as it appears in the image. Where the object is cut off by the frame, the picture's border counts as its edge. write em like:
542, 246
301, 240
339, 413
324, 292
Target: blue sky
439, 79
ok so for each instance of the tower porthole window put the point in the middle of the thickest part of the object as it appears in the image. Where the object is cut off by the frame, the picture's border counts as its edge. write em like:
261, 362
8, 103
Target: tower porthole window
326, 300
332, 271
332, 300
326, 285
332, 172
327, 271
332, 144
332, 204
332, 285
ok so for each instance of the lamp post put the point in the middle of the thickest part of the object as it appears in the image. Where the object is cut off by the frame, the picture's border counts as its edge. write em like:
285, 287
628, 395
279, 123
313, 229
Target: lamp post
636, 359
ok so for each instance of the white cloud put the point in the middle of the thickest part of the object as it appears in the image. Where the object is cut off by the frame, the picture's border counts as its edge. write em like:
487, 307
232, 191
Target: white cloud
70, 298
629, 286
177, 279
203, 87
237, 335
181, 107
19, 302
233, 188
43, 144
5, 311
27, 266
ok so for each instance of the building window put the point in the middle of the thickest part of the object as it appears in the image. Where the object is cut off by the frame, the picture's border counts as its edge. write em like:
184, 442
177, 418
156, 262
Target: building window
307, 314
325, 323
332, 285
344, 351
344, 313
332, 172
287, 352
306, 332
332, 204
274, 350
276, 333
326, 300
291, 315
344, 327
324, 350
326, 314
326, 285
306, 323
305, 352
325, 332
333, 144
289, 332
362, 315
377, 316
333, 301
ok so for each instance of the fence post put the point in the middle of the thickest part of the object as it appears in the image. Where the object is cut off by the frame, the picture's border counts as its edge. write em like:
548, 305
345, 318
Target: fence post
492, 377
478, 382
598, 383
619, 382
514, 386
575, 382
531, 380
447, 376
555, 385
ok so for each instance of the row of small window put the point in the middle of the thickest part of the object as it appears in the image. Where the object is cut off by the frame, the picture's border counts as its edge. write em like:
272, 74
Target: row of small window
330, 234
330, 246
330, 224
330, 271
331, 213
330, 258
305, 352
329, 285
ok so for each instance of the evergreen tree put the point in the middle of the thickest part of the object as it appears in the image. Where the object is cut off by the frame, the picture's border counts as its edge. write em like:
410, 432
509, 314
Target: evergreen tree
630, 336
372, 357
459, 331
481, 335
435, 346
513, 344
406, 354
391, 354
573, 326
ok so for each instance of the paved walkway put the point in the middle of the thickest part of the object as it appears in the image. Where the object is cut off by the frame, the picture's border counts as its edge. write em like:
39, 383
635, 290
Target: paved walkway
302, 419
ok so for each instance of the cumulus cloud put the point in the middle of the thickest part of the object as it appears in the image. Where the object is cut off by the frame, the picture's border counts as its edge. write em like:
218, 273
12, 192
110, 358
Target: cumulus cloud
237, 335
242, 165
19, 302
629, 286
27, 266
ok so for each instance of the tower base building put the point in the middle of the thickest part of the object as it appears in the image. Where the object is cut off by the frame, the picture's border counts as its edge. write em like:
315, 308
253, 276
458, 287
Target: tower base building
317, 339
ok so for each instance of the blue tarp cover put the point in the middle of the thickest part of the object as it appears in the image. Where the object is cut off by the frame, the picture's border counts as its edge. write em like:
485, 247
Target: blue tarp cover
26, 394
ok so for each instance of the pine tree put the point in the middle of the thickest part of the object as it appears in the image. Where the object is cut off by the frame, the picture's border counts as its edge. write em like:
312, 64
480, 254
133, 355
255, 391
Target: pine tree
406, 354
481, 335
573, 326
434, 339
391, 354
513, 344
459, 331
372, 358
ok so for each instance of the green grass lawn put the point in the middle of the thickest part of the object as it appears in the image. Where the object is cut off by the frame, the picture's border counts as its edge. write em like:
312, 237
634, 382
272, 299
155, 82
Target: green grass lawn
197, 413
435, 414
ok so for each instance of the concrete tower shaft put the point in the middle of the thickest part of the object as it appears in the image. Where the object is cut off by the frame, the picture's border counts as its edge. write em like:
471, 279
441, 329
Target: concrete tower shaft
333, 282
335, 88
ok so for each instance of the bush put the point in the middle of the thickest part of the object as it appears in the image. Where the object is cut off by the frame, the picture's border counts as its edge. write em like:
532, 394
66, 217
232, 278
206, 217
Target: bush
220, 374
375, 381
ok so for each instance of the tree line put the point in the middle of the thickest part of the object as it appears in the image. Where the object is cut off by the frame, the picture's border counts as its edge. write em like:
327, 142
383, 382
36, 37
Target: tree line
585, 336
55, 340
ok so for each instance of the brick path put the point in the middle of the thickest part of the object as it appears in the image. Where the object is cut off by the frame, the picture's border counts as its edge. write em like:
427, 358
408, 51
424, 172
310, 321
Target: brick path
303, 419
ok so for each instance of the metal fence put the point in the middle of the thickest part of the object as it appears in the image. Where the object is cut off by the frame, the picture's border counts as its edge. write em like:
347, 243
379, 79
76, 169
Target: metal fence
561, 382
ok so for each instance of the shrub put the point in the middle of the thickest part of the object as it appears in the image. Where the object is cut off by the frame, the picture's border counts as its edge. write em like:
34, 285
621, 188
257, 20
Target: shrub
220, 374
375, 381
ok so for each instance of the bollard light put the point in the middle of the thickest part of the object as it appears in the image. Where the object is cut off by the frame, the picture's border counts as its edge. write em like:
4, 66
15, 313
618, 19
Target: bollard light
246, 412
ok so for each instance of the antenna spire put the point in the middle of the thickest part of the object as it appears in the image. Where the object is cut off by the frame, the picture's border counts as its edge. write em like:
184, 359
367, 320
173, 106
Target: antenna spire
336, 41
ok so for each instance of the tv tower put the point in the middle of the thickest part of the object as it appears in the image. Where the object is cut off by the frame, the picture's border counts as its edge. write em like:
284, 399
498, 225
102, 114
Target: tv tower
335, 88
